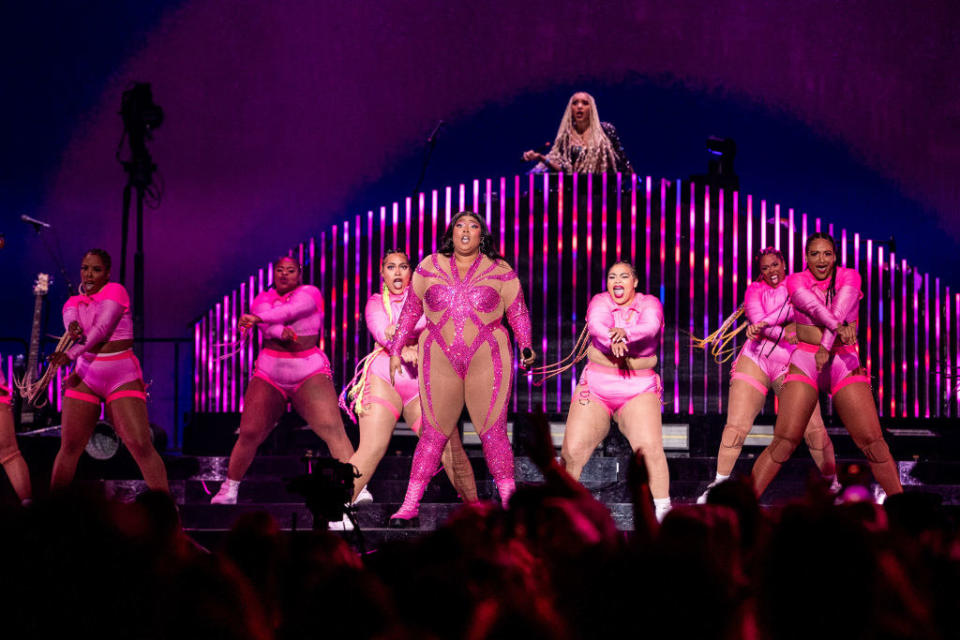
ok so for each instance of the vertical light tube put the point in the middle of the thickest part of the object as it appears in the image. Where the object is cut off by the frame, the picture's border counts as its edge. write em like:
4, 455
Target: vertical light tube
217, 337
843, 247
544, 266
603, 222
903, 338
646, 226
233, 359
791, 252
421, 216
619, 246
488, 201
589, 269
197, 364
676, 300
503, 216
560, 313
803, 239
749, 241
407, 232
530, 215
516, 249
893, 334
763, 224
663, 259
435, 212
476, 196
938, 379
394, 219
926, 347
692, 266
706, 290
574, 243
881, 365
334, 293
776, 226
720, 220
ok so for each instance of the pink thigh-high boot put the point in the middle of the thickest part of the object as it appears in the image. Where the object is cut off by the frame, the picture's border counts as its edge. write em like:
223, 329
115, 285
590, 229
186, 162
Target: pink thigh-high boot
426, 462
499, 455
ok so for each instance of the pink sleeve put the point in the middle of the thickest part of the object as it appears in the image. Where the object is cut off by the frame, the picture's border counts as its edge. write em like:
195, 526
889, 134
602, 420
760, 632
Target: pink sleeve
274, 331
753, 304
650, 322
600, 319
70, 313
806, 300
106, 321
301, 304
376, 318
519, 318
407, 322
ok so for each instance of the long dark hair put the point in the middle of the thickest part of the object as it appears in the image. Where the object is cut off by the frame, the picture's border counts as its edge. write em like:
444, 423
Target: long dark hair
823, 235
487, 247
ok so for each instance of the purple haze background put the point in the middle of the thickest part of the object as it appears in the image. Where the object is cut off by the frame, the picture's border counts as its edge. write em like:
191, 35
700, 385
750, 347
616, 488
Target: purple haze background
283, 117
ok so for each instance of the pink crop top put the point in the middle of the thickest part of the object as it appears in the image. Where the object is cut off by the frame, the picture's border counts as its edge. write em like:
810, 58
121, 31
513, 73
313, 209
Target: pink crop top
642, 319
763, 303
104, 317
300, 310
809, 296
377, 320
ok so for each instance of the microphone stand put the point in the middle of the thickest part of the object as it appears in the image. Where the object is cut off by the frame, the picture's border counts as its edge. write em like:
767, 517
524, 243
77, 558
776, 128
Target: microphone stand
431, 143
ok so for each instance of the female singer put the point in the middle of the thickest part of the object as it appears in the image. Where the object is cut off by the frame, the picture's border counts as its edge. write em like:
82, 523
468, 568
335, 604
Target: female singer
826, 301
762, 364
100, 321
378, 403
583, 143
290, 368
619, 381
464, 354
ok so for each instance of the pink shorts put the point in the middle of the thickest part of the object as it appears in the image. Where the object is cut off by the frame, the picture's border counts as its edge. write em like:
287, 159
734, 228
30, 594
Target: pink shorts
614, 388
839, 371
104, 373
772, 358
286, 371
405, 383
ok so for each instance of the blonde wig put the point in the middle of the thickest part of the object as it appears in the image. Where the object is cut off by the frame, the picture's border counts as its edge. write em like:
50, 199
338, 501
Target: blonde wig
596, 156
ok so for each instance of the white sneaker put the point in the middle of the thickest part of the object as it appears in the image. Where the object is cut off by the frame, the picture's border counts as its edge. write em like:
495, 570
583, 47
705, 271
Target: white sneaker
661, 510
364, 496
702, 498
227, 494
343, 525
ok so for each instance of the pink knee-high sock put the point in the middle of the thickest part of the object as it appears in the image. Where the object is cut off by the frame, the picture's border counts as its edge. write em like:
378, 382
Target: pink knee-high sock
426, 462
499, 455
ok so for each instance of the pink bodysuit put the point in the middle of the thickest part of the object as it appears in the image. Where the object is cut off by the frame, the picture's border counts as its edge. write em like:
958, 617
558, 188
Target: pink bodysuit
642, 319
809, 298
104, 317
299, 310
464, 328
771, 352
405, 381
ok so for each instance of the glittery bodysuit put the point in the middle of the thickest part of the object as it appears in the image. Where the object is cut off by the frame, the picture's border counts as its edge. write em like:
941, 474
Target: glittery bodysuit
465, 358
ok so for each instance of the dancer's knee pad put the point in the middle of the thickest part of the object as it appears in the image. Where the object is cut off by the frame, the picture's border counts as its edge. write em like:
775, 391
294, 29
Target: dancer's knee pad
734, 436
876, 450
817, 439
781, 449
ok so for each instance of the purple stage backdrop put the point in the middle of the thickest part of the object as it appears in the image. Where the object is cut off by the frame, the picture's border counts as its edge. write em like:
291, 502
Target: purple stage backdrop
690, 245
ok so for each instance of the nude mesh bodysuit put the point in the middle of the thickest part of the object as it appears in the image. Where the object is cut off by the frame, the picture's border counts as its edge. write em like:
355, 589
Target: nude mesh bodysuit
466, 358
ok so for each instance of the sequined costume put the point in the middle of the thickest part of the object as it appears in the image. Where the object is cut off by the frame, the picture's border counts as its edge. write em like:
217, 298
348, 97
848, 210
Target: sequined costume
574, 158
642, 319
465, 357
104, 317
298, 310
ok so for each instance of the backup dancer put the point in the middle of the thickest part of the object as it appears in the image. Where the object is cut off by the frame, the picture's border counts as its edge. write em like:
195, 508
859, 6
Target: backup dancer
826, 301
290, 368
376, 402
10, 456
620, 343
100, 321
464, 354
761, 365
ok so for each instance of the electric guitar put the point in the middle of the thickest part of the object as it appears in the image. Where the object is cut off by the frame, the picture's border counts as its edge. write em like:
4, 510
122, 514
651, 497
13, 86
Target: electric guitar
29, 415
